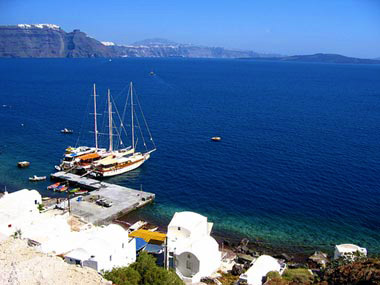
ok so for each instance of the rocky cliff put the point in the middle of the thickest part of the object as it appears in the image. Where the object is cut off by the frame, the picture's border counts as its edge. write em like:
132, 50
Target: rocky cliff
47, 40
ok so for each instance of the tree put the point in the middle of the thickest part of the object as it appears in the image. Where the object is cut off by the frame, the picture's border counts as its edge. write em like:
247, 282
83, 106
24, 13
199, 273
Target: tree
123, 276
143, 272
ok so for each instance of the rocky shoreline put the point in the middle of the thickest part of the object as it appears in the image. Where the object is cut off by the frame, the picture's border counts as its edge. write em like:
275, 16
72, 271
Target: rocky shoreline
292, 253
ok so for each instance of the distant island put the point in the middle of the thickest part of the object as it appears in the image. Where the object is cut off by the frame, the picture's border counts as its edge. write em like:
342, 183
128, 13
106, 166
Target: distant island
51, 41
324, 58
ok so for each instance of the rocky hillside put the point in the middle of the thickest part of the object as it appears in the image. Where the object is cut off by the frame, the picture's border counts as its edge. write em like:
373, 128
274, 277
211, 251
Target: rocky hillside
47, 40
21, 264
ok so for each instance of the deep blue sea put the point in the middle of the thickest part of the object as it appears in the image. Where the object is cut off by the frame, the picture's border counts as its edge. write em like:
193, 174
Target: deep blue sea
298, 163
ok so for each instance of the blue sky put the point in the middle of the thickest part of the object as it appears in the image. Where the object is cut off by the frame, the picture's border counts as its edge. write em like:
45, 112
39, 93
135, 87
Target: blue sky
349, 27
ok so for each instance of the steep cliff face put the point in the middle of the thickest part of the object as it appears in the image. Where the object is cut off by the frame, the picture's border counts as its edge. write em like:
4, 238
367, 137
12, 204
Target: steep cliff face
79, 45
32, 41
179, 51
46, 40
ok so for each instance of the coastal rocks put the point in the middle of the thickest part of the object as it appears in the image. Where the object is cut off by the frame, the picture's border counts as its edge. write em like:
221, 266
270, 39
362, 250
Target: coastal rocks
244, 242
237, 269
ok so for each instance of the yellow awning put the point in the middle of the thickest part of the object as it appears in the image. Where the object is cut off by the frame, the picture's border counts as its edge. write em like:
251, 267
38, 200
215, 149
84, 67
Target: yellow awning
89, 156
149, 236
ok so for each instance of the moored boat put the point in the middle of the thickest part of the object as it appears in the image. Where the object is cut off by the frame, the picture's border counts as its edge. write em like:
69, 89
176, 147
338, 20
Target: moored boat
67, 131
216, 139
61, 188
36, 178
74, 190
23, 164
81, 192
53, 186
127, 159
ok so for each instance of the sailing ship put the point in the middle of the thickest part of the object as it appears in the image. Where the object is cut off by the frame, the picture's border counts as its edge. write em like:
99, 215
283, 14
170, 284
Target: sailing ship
125, 159
76, 157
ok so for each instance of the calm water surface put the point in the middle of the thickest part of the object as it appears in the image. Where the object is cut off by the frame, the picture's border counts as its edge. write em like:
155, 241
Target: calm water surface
299, 159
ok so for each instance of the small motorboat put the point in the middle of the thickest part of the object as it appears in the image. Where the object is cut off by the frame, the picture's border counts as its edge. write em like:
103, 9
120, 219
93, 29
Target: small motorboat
81, 192
61, 188
23, 164
53, 186
74, 190
57, 167
36, 178
216, 139
152, 73
66, 131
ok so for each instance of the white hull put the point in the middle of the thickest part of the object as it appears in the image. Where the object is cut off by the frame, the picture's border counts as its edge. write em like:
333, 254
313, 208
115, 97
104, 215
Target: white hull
125, 169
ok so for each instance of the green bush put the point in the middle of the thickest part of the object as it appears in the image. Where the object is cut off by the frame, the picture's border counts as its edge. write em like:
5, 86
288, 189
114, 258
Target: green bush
273, 274
143, 272
123, 276
299, 275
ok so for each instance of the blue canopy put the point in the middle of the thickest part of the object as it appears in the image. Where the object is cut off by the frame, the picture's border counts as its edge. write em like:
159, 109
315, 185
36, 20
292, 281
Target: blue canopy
140, 244
154, 248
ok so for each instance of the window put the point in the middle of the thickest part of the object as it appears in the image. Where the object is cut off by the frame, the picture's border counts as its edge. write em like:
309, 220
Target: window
188, 264
110, 257
122, 245
35, 202
179, 228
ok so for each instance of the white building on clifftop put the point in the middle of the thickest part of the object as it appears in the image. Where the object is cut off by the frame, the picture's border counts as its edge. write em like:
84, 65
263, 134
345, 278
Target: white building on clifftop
101, 248
349, 251
192, 251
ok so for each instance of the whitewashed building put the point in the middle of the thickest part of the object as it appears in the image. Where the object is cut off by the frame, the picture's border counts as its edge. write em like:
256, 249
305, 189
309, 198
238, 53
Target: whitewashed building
256, 274
17, 209
192, 251
349, 251
101, 248
104, 248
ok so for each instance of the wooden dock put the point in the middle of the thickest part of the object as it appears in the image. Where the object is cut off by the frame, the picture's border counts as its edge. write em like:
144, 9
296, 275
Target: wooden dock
124, 199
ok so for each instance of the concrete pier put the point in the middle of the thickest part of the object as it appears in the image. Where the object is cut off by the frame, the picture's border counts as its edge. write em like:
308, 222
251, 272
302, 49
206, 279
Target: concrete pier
124, 199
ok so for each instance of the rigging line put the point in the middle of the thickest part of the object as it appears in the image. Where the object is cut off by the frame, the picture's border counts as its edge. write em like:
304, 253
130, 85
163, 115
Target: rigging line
83, 121
102, 139
118, 115
142, 136
146, 124
122, 90
125, 110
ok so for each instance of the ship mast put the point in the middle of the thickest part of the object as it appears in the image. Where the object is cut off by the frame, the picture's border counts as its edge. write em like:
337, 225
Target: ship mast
95, 120
110, 119
133, 126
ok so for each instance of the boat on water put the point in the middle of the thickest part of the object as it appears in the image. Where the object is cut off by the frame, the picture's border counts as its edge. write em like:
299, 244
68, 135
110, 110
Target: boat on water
101, 162
73, 155
23, 164
53, 186
36, 178
216, 139
67, 131
152, 73
61, 188
80, 192
125, 159
74, 190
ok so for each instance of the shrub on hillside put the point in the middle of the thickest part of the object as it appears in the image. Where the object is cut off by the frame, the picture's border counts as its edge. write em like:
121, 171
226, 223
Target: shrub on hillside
143, 272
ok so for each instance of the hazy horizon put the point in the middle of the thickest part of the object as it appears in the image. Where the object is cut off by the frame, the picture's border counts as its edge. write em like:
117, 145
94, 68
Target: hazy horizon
350, 27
